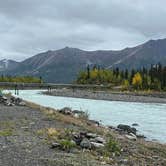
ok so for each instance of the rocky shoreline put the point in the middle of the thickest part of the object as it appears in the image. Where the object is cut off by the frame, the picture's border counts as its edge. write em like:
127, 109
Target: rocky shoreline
111, 96
34, 135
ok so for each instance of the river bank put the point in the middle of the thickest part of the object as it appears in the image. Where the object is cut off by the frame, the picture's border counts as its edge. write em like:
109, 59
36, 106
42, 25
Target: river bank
111, 96
29, 136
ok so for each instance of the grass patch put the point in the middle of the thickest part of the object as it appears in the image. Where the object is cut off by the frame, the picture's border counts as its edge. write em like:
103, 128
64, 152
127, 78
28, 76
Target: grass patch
112, 146
6, 132
50, 134
67, 144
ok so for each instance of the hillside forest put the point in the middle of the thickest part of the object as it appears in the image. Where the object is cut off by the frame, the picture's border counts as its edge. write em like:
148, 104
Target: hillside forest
142, 79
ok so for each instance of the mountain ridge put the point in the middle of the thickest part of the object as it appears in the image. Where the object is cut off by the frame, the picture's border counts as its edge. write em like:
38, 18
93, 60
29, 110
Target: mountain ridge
62, 66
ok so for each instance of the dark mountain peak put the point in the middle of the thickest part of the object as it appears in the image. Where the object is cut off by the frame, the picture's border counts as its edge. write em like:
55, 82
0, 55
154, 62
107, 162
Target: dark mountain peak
62, 66
69, 49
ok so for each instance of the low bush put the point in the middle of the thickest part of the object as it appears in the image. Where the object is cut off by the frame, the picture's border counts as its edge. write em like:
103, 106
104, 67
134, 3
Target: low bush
67, 144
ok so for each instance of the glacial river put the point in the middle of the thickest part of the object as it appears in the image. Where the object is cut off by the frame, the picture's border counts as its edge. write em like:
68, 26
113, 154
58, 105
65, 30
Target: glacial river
150, 117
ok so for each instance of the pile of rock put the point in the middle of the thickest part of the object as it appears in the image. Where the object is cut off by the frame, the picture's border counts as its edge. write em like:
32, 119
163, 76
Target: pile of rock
89, 140
4, 100
79, 114
85, 141
128, 131
17, 101
11, 101
69, 111
66, 111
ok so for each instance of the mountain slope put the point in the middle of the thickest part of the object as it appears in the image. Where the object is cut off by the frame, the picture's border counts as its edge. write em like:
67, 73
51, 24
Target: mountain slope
151, 52
62, 66
6, 64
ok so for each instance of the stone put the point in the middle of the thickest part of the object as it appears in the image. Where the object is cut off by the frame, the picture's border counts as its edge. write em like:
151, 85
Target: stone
100, 140
97, 145
55, 145
22, 103
66, 111
127, 128
85, 143
91, 135
131, 136
135, 124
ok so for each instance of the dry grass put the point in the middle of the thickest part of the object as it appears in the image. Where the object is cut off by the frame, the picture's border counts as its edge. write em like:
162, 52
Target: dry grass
54, 115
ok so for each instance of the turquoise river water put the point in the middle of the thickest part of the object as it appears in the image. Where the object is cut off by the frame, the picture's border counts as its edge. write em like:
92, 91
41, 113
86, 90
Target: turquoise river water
151, 117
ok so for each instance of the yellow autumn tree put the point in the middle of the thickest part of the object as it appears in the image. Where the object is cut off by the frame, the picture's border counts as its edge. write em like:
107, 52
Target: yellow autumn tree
93, 75
125, 85
137, 80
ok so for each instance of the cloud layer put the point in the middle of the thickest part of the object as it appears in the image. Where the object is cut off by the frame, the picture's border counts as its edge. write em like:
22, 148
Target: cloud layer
31, 26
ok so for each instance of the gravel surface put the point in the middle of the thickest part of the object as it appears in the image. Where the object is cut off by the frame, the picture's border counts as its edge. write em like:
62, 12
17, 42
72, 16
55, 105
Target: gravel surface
102, 95
22, 146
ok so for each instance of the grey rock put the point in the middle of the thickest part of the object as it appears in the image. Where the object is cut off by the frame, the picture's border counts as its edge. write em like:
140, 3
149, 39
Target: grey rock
55, 145
97, 145
135, 124
127, 128
85, 143
22, 103
100, 140
131, 136
66, 111
91, 135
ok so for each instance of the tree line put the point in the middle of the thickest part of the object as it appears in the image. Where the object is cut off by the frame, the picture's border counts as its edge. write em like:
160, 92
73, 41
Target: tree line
143, 79
21, 79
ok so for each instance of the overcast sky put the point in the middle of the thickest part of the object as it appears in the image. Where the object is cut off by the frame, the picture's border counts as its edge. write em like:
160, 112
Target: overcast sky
28, 27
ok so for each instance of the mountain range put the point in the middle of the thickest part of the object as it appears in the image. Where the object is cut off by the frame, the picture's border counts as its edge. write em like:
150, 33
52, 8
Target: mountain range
62, 66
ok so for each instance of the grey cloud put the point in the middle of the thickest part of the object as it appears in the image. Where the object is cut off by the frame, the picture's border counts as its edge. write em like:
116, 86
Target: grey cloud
30, 26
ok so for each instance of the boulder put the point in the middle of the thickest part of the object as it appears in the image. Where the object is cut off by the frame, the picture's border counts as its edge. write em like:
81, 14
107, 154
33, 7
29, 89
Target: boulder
135, 124
127, 128
15, 101
85, 143
131, 136
22, 103
97, 145
3, 99
8, 103
55, 145
66, 111
100, 140
91, 135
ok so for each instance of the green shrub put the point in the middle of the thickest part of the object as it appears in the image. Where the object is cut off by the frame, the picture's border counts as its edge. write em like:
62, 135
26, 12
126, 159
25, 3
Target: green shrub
6, 132
112, 146
67, 144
